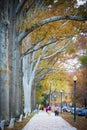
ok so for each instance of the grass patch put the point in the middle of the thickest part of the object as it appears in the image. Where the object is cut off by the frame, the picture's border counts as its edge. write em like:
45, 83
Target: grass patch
81, 121
20, 125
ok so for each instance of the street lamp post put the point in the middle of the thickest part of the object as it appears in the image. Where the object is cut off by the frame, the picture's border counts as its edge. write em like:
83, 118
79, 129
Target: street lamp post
75, 79
61, 101
50, 96
50, 92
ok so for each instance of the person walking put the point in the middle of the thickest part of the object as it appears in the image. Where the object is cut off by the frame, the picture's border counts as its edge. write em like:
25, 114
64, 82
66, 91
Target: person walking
36, 108
56, 111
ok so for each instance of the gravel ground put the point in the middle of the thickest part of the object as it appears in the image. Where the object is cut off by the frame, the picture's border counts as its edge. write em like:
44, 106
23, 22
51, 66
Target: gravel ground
45, 121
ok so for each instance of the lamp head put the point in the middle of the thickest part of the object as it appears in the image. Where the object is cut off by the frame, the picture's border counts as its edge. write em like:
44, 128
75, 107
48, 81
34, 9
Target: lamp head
61, 91
75, 78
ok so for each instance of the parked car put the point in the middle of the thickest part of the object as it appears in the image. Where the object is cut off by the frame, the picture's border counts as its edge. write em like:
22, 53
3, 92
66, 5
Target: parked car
82, 112
86, 115
66, 109
72, 110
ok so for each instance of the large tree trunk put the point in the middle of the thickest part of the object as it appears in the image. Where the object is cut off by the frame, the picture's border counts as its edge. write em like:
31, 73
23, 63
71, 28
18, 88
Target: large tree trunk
11, 51
33, 96
16, 89
4, 65
10, 65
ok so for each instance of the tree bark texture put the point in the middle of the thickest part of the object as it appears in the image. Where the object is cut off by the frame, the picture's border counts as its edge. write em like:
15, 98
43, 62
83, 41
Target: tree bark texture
10, 63
4, 67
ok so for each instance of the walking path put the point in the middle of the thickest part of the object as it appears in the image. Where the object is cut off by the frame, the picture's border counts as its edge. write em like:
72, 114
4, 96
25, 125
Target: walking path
45, 121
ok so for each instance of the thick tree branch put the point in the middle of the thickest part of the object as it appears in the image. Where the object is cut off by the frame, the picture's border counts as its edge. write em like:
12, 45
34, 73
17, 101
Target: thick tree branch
20, 6
43, 75
41, 47
49, 20
58, 51
31, 49
29, 6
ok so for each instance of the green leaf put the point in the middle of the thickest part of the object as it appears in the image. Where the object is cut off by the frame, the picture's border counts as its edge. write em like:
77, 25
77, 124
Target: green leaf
83, 60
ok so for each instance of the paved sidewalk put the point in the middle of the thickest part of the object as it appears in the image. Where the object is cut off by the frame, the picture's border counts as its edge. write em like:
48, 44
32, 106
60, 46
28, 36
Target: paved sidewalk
45, 121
